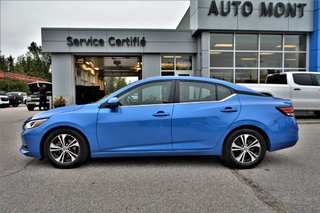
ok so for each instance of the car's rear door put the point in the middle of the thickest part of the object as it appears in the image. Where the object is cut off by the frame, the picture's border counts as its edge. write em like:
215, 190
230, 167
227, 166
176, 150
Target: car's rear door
202, 114
305, 92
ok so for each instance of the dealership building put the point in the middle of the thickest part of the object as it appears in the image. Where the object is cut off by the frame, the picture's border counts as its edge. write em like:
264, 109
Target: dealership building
237, 41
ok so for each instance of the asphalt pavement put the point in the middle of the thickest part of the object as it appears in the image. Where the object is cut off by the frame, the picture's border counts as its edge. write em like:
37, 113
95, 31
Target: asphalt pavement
287, 180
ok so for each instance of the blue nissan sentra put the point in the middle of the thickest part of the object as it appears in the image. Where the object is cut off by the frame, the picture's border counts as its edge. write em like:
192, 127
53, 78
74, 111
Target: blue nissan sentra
165, 116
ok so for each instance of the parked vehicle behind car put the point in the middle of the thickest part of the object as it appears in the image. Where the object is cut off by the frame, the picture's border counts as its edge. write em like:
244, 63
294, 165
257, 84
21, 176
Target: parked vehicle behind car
165, 116
16, 98
4, 100
33, 100
302, 88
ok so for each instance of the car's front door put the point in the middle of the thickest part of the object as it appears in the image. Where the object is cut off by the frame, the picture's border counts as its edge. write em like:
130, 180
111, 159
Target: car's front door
141, 123
203, 112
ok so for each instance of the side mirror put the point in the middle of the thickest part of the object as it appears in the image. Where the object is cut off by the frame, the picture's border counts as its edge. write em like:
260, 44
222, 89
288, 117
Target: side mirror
113, 103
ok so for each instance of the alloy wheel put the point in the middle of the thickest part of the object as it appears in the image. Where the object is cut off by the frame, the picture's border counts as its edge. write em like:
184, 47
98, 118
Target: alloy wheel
64, 148
246, 148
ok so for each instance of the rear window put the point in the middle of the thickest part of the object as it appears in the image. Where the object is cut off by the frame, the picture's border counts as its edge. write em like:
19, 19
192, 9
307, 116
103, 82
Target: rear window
317, 79
277, 79
303, 79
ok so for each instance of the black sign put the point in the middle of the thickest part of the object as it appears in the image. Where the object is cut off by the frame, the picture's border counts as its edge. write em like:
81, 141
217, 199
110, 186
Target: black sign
112, 41
266, 9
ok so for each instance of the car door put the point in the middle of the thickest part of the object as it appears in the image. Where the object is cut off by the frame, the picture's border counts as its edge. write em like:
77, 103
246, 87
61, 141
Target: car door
202, 114
305, 92
141, 123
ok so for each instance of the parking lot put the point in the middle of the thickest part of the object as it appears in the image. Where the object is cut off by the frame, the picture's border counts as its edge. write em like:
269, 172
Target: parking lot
287, 180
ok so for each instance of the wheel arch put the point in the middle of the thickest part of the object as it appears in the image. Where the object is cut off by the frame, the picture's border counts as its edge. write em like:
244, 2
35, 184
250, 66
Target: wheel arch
62, 127
258, 129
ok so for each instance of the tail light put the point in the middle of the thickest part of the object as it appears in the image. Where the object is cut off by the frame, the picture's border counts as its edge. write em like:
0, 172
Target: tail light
289, 111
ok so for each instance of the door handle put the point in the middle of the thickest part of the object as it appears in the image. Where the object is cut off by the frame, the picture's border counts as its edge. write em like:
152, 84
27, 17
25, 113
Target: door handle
297, 89
161, 114
229, 109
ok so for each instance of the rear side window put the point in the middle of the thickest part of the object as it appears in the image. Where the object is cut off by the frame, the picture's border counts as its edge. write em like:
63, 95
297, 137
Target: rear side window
277, 79
317, 79
198, 92
303, 79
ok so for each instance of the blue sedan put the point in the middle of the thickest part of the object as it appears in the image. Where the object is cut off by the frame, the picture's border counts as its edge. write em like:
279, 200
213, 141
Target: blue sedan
167, 116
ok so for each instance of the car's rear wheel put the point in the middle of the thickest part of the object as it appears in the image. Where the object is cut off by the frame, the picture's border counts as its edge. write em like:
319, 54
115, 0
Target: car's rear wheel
30, 107
66, 148
244, 149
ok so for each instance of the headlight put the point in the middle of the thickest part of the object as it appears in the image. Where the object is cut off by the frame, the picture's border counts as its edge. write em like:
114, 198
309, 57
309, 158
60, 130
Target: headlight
34, 123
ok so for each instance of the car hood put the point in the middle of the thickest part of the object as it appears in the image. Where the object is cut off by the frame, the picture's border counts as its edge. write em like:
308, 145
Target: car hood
55, 111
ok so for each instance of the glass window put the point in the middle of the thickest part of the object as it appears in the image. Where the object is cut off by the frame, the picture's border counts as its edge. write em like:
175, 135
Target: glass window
221, 41
246, 59
222, 74
167, 73
183, 62
271, 42
277, 79
265, 72
167, 62
295, 42
246, 42
152, 93
246, 76
294, 60
196, 92
303, 79
317, 79
221, 59
223, 92
270, 59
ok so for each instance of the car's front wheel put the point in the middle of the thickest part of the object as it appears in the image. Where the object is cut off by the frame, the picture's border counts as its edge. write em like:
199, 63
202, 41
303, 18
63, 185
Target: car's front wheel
66, 148
244, 149
30, 107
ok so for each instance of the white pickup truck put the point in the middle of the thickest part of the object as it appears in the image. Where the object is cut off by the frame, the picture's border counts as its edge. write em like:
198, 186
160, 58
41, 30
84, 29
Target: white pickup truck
302, 88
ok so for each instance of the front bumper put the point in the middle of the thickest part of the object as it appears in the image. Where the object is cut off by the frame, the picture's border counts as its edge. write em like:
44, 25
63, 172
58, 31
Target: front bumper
31, 144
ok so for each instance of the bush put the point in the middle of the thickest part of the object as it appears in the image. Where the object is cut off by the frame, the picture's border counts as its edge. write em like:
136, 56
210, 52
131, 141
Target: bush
10, 85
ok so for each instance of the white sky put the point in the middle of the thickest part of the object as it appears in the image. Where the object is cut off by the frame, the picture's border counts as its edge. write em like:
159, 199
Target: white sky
21, 20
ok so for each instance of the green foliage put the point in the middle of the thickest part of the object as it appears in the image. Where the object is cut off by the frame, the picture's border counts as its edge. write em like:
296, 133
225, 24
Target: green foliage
33, 63
10, 85
114, 83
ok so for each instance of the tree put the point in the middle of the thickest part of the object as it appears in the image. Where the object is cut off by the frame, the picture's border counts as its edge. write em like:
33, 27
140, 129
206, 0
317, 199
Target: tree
114, 83
3, 63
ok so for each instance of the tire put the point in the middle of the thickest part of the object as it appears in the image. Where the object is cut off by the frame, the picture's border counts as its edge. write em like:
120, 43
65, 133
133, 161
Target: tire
30, 107
244, 149
58, 152
317, 113
15, 105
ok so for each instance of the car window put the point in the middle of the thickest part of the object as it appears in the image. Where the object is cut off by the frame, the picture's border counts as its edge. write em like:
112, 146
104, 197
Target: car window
196, 92
303, 79
317, 79
223, 92
151, 93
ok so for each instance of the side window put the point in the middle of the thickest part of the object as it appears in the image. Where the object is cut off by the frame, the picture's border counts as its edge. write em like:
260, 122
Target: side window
303, 79
223, 92
196, 92
151, 93
317, 79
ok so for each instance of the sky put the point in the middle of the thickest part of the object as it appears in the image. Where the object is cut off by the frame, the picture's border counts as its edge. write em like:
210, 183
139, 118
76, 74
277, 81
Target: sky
21, 20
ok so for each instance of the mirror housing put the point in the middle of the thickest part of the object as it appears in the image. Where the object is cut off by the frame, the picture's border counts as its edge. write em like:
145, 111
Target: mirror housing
113, 103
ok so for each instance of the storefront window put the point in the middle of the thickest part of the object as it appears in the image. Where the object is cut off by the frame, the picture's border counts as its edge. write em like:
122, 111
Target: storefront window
246, 59
270, 59
221, 41
167, 62
246, 76
271, 42
253, 56
183, 62
294, 60
221, 59
222, 74
295, 43
246, 42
